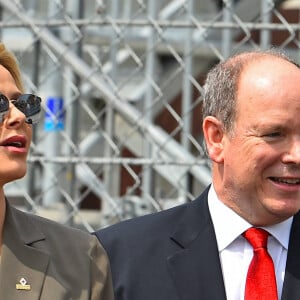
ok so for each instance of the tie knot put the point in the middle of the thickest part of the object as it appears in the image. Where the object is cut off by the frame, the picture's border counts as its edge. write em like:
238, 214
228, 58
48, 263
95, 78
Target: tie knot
257, 237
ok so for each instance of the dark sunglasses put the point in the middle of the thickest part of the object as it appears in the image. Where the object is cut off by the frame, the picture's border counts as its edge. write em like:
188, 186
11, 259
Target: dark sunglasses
28, 104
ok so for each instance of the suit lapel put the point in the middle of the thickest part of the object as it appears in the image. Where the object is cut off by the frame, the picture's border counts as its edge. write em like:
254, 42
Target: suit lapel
195, 265
19, 259
291, 285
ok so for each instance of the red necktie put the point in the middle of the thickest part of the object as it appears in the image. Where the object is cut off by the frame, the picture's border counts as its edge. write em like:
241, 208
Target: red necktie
261, 280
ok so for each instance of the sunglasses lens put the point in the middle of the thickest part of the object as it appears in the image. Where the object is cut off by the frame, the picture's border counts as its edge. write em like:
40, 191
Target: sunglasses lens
4, 107
30, 106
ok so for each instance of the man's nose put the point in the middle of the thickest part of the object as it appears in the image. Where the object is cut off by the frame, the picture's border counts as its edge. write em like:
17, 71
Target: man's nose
292, 154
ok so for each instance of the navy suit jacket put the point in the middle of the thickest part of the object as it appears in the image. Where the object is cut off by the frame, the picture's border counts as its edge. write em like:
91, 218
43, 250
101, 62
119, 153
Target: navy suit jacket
173, 255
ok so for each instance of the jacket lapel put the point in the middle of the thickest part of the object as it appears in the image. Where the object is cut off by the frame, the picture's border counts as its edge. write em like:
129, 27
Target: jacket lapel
291, 285
20, 260
195, 265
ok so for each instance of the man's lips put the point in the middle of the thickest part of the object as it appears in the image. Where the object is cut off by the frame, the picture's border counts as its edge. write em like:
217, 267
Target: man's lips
286, 180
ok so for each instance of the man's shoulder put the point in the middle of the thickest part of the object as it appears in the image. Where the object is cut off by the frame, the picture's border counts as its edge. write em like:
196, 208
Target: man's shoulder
141, 223
160, 223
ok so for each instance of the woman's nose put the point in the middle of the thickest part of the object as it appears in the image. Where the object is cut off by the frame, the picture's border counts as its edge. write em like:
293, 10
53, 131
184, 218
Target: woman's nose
14, 117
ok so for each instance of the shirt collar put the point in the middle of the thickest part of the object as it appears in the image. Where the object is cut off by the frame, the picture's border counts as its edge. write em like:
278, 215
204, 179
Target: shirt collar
229, 225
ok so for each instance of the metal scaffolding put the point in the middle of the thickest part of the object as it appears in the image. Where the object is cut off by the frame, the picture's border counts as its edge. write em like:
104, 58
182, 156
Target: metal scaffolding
121, 83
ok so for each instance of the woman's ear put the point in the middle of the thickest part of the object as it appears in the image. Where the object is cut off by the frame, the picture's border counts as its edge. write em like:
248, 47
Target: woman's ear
214, 135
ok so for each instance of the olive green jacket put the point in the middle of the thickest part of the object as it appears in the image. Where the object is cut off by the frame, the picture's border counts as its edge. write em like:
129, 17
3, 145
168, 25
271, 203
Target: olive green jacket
41, 259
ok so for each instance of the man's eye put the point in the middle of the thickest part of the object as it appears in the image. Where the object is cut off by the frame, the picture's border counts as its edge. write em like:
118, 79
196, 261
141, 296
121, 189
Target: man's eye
273, 134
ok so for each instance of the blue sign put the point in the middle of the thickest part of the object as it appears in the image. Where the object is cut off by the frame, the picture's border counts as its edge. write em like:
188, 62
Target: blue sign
54, 115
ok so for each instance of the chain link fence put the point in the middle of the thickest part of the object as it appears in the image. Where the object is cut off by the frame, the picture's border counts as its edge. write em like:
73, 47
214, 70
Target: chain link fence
121, 83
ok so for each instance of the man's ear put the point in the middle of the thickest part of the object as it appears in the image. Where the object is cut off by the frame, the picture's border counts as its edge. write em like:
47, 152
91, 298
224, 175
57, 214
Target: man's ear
214, 137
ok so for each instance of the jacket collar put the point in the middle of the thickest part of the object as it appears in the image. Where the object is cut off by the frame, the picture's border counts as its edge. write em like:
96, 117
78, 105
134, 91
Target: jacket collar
19, 257
291, 284
195, 266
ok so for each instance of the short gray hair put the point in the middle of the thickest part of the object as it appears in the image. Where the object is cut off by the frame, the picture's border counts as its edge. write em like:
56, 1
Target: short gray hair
220, 88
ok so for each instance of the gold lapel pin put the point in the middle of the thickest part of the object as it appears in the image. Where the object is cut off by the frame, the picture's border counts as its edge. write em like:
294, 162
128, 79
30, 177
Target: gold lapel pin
23, 285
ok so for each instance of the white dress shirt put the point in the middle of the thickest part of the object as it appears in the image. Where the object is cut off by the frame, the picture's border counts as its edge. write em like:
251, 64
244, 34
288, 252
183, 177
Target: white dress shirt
236, 253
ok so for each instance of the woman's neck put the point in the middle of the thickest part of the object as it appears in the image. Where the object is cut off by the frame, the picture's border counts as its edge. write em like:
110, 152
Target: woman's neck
2, 213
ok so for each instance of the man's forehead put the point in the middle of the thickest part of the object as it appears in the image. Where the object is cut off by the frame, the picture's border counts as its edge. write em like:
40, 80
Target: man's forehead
268, 69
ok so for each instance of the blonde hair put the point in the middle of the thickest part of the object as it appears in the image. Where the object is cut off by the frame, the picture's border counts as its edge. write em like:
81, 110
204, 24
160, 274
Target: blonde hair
10, 63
